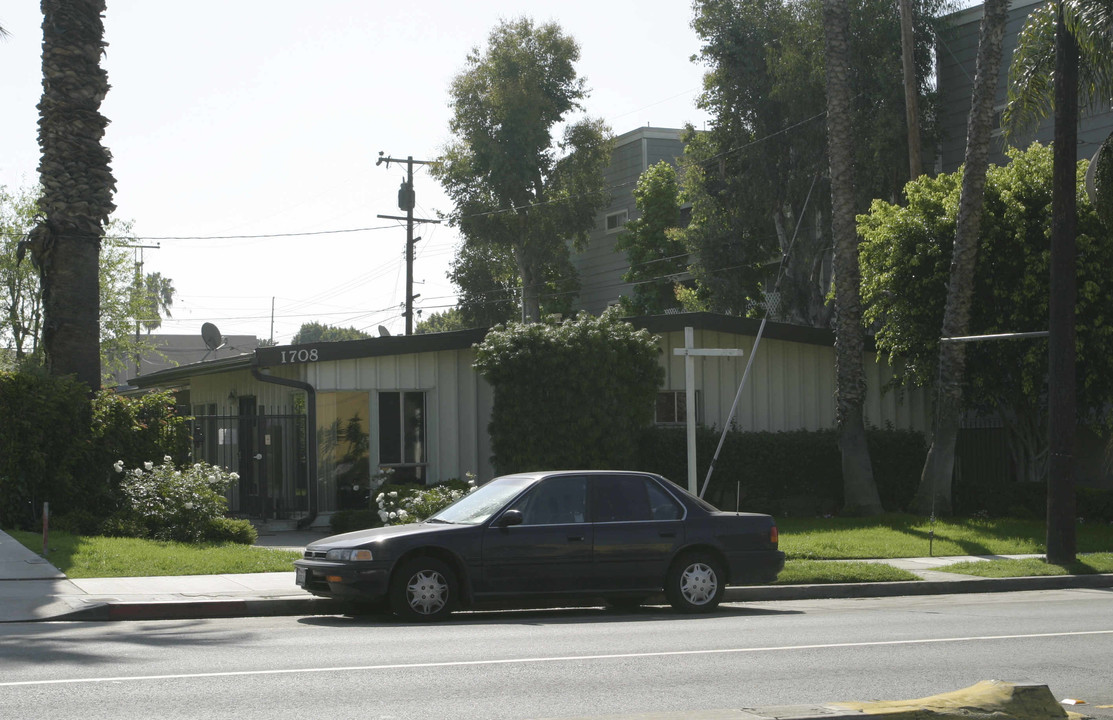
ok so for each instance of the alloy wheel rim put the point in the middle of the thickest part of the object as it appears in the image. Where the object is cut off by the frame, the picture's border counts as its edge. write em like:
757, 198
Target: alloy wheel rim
698, 584
427, 592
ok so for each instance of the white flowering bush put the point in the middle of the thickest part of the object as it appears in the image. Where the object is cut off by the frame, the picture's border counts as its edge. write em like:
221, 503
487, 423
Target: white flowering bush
176, 504
410, 505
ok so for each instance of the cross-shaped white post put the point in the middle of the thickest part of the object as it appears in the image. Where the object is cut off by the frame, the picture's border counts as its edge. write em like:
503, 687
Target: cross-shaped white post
690, 353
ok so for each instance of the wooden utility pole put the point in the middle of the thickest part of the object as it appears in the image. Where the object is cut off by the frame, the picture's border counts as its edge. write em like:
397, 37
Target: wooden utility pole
911, 90
406, 201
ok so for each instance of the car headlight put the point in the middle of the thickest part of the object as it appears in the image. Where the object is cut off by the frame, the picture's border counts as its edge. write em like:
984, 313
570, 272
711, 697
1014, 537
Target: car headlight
349, 554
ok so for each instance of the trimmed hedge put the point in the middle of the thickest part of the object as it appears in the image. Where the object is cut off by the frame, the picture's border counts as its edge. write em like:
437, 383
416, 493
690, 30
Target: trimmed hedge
784, 473
44, 446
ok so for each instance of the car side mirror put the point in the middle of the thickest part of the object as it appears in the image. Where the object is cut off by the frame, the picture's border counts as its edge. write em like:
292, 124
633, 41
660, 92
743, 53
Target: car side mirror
510, 517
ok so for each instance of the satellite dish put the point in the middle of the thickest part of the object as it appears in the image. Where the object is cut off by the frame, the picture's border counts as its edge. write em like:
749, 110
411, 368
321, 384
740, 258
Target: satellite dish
383, 332
213, 339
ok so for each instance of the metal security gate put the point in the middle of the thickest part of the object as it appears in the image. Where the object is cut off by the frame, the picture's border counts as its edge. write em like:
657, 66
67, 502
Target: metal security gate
267, 450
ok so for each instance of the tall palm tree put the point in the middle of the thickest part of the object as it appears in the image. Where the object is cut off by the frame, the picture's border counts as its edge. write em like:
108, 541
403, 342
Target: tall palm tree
77, 186
1062, 56
860, 495
934, 493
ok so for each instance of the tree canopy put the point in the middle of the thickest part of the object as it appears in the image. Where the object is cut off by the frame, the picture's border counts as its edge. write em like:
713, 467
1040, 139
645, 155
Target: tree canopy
129, 299
313, 332
906, 255
520, 194
653, 243
755, 179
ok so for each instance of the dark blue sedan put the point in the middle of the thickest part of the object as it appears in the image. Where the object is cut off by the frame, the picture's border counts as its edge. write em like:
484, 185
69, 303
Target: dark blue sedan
551, 536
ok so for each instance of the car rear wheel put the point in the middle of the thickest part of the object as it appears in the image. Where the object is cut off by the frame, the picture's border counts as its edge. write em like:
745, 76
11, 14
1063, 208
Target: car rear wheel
695, 583
424, 589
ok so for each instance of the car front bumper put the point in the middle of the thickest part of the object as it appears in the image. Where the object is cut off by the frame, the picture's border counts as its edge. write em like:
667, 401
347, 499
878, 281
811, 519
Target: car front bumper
342, 580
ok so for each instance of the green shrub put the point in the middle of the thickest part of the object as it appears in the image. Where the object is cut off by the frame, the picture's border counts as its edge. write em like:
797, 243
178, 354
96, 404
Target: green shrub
77, 522
569, 395
1095, 504
409, 505
796, 473
174, 504
352, 520
44, 447
234, 530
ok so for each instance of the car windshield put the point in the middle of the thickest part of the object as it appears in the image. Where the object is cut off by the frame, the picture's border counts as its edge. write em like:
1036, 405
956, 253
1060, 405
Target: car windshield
477, 506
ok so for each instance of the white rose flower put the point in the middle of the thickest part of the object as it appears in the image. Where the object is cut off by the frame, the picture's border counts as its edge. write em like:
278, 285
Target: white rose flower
118, 466
403, 514
148, 465
383, 515
166, 458
234, 476
393, 494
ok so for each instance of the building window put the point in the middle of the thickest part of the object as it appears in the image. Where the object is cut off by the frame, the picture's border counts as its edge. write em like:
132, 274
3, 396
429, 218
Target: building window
402, 434
672, 408
616, 221
344, 467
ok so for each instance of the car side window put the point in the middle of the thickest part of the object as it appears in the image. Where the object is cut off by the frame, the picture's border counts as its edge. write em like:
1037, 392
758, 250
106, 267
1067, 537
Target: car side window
621, 498
662, 505
556, 501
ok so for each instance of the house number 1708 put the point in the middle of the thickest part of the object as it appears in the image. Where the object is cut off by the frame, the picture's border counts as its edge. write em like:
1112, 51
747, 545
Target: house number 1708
293, 356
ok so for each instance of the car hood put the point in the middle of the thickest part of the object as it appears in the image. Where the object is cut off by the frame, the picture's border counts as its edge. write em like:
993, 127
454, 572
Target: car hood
372, 535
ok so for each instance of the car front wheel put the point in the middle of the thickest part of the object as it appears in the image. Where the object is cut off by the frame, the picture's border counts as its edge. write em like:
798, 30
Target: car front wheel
695, 583
424, 589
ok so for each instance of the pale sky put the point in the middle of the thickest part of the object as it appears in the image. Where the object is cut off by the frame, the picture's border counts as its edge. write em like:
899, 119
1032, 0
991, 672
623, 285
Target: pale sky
263, 117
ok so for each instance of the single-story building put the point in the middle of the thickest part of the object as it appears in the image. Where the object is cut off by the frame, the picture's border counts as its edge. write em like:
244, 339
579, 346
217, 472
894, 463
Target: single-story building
415, 405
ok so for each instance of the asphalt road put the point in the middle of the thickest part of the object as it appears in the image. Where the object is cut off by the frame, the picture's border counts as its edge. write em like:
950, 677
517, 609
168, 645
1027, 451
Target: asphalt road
559, 663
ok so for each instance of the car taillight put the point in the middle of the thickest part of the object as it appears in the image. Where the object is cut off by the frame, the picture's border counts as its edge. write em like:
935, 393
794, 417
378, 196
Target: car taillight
773, 534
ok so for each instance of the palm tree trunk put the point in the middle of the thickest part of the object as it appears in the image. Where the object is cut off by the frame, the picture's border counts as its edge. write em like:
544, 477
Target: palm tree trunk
77, 186
860, 495
934, 493
1061, 545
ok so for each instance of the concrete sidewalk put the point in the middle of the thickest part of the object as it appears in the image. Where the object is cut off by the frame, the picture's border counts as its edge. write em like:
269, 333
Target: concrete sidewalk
31, 589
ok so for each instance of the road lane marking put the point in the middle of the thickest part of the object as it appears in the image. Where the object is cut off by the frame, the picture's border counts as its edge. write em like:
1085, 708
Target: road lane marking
562, 658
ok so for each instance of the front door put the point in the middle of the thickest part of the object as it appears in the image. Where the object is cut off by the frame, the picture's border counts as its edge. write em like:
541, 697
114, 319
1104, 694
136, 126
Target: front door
550, 552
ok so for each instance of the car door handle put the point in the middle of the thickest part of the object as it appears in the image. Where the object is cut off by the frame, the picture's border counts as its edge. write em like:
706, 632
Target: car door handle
668, 534
575, 538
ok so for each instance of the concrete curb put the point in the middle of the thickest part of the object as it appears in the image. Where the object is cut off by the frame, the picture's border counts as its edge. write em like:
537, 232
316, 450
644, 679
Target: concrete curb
762, 593
227, 607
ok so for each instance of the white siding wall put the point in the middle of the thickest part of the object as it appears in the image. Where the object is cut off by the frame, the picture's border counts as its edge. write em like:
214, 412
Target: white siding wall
457, 403
791, 385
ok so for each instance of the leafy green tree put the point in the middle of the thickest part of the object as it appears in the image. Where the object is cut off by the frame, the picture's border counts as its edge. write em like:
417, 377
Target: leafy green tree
122, 310
755, 178
906, 258
514, 186
652, 243
934, 493
446, 321
20, 302
77, 186
600, 379
860, 496
313, 332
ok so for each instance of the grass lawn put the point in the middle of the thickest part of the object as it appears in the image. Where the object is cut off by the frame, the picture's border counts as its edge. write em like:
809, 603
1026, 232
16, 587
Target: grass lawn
86, 557
826, 572
811, 544
897, 536
1027, 567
